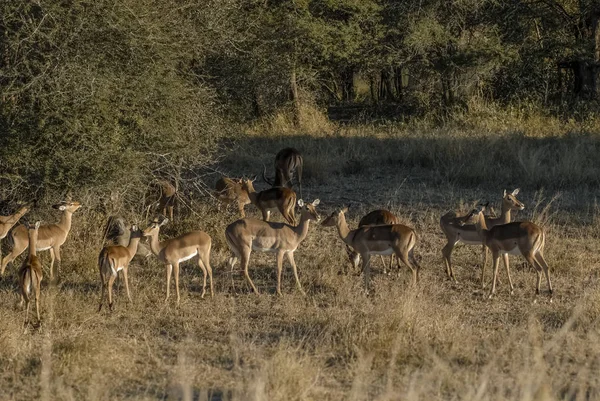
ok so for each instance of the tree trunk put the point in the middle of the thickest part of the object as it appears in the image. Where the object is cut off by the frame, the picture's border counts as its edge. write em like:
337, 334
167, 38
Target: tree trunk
294, 98
596, 70
348, 84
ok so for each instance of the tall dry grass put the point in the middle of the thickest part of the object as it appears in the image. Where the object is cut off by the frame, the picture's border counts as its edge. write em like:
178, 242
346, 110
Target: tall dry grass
439, 340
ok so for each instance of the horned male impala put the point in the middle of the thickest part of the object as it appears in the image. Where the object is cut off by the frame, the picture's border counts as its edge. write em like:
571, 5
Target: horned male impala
247, 235
391, 239
517, 238
112, 260
374, 218
228, 191
176, 250
287, 162
50, 236
7, 222
283, 199
31, 274
467, 234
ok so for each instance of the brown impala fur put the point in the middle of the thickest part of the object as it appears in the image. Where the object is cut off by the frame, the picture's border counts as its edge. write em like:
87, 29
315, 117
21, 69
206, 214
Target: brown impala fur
247, 235
391, 239
168, 193
467, 234
30, 274
50, 236
113, 259
7, 222
517, 238
173, 251
229, 191
287, 162
283, 199
374, 218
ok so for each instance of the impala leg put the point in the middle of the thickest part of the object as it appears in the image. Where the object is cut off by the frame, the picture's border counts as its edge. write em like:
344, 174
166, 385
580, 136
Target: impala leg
279, 270
126, 283
171, 212
290, 256
384, 265
246, 263
232, 261
447, 255
485, 256
265, 214
169, 271
27, 302
210, 275
204, 274
37, 298
58, 260
496, 259
538, 269
176, 268
111, 281
539, 257
16, 251
366, 270
403, 256
505, 259
102, 291
414, 262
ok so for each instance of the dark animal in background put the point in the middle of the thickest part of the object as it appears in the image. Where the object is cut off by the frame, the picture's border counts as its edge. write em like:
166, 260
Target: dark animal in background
287, 163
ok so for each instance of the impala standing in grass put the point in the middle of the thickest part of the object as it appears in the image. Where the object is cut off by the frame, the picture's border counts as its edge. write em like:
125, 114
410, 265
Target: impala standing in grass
173, 251
517, 238
112, 260
228, 190
396, 239
7, 222
467, 234
30, 274
247, 235
50, 236
282, 199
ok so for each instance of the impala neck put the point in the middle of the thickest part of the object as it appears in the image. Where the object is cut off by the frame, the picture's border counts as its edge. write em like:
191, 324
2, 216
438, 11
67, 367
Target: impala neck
154, 244
32, 244
343, 229
252, 196
133, 246
481, 226
302, 228
65, 221
505, 213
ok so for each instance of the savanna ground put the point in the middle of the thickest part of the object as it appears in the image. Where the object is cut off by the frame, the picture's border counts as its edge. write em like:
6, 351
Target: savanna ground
439, 340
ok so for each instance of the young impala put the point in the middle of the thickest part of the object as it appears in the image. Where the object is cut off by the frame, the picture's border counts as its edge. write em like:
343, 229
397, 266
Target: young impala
467, 234
517, 238
30, 274
283, 199
112, 260
173, 251
396, 239
50, 236
247, 235
228, 191
375, 218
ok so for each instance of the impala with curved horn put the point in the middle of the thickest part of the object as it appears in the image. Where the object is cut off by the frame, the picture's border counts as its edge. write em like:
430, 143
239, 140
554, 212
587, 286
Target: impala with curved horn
247, 235
288, 162
173, 251
467, 234
50, 236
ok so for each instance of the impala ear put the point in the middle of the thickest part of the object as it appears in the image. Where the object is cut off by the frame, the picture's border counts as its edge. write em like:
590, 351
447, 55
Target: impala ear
253, 178
300, 202
162, 223
134, 227
37, 225
345, 210
316, 202
504, 194
516, 191
62, 207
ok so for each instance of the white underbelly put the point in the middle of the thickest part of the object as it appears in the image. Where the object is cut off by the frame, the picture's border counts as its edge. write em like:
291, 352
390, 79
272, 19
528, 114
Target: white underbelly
514, 251
384, 252
259, 249
464, 241
43, 249
188, 257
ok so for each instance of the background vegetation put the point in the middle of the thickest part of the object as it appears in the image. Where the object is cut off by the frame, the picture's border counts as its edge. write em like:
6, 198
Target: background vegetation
418, 107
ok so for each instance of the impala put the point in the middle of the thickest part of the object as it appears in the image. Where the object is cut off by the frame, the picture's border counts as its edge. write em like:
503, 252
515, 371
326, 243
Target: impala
112, 260
228, 191
467, 234
7, 222
396, 239
374, 218
517, 238
50, 236
287, 162
173, 251
168, 193
247, 235
30, 274
117, 233
283, 199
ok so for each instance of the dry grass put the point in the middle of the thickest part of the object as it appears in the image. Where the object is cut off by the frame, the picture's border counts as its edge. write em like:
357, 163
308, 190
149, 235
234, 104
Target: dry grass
440, 340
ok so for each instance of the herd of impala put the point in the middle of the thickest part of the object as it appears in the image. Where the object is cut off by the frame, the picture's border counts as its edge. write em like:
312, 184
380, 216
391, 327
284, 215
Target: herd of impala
378, 233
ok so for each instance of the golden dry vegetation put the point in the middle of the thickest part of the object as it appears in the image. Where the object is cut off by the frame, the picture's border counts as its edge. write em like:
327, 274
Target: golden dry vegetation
440, 340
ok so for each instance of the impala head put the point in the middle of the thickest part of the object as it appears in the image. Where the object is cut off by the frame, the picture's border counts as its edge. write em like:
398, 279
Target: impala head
247, 184
510, 201
474, 215
32, 229
69, 206
135, 231
154, 227
334, 217
308, 209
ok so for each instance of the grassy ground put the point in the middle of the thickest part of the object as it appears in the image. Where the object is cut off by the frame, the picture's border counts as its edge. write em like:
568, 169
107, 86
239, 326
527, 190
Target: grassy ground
439, 340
